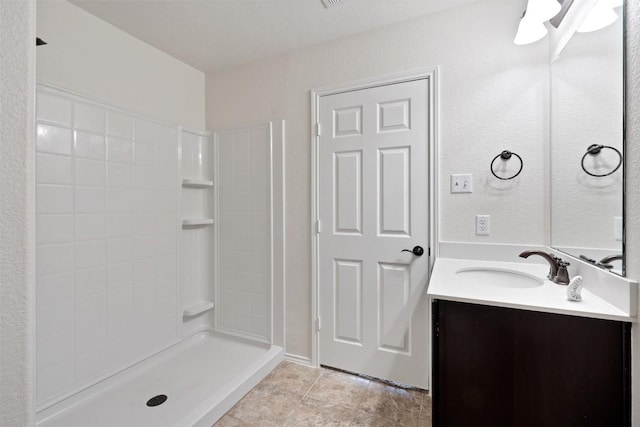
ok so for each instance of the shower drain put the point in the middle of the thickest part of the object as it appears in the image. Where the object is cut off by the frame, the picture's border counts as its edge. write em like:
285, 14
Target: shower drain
157, 400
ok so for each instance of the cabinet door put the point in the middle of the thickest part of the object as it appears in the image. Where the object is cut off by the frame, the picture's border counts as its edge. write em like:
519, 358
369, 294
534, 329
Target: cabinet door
473, 375
570, 371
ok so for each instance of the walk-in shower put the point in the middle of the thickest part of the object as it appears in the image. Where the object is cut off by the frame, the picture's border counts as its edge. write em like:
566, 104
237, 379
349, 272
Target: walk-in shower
154, 263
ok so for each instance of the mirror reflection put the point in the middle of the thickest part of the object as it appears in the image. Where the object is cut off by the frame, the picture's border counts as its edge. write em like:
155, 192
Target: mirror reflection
587, 139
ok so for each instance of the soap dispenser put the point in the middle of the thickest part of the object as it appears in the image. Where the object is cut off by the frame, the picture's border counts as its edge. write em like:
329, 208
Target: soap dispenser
574, 290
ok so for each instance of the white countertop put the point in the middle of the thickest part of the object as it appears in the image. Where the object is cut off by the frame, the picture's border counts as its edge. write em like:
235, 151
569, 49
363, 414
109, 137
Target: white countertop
445, 284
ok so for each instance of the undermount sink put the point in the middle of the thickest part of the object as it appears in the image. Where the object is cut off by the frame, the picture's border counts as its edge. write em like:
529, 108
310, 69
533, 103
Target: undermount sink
502, 278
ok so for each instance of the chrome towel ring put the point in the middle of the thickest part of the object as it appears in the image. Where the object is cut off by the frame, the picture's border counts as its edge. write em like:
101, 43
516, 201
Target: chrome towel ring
506, 155
594, 150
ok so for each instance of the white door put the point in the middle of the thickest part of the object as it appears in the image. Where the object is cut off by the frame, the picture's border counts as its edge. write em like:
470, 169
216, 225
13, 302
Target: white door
373, 203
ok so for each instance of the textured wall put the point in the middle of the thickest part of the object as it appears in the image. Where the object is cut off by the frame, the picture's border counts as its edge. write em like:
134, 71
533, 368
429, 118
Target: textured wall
16, 211
493, 96
632, 191
90, 56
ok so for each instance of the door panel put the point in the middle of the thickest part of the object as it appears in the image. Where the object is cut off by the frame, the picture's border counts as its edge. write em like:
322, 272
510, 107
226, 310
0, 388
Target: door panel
348, 301
395, 213
373, 203
393, 308
348, 192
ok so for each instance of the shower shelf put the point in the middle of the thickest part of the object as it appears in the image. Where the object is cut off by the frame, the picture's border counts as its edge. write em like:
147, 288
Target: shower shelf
197, 308
196, 183
196, 222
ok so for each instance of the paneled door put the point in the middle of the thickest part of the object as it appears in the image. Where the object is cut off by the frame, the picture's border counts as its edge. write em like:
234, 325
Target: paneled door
373, 204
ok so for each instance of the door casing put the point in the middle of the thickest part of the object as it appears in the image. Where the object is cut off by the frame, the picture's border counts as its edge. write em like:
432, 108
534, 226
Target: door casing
431, 75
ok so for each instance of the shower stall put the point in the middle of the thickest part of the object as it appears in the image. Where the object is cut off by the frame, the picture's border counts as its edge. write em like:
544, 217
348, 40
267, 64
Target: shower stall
158, 262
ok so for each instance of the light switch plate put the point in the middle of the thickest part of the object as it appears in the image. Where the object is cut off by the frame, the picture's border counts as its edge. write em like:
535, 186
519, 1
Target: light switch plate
461, 183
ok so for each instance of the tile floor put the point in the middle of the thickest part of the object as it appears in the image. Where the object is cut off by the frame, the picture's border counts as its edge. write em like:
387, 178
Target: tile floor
297, 395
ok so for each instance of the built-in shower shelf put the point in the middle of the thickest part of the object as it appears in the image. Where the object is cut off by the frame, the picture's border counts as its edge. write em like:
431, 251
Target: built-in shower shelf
196, 222
197, 308
196, 183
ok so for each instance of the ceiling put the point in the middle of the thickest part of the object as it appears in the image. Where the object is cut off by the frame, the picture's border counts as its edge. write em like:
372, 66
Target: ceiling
215, 34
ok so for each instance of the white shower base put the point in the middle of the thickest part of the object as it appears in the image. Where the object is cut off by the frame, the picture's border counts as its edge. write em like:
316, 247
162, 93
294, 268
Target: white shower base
203, 377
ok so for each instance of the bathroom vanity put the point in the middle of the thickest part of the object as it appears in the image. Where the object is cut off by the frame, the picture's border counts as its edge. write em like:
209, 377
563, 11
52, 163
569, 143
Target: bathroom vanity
510, 350
496, 366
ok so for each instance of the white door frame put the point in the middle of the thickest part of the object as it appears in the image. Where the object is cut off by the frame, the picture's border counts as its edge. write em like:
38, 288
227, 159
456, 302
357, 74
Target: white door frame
431, 75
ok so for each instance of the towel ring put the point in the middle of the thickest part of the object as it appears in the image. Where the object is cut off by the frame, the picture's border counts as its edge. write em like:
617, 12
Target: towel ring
506, 155
594, 150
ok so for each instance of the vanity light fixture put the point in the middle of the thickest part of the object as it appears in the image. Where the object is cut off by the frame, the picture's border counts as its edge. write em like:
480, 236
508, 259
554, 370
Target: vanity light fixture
543, 10
602, 15
531, 27
529, 30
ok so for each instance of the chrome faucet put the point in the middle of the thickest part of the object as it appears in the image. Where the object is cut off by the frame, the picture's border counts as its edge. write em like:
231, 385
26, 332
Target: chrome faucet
558, 272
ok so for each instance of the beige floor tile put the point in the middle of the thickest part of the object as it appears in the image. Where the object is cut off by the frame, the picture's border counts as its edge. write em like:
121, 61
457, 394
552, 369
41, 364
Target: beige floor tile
427, 401
427, 409
296, 395
392, 403
229, 421
397, 393
425, 422
293, 377
312, 412
339, 388
366, 420
265, 407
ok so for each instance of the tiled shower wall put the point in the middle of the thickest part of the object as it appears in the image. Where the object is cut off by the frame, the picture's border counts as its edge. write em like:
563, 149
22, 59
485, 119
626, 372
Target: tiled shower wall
244, 195
106, 208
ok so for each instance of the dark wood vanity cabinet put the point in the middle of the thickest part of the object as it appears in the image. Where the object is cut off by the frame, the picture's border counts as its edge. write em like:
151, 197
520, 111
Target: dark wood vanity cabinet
496, 366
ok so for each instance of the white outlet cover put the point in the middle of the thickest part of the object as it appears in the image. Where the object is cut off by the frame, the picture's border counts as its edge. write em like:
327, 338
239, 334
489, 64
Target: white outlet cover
483, 225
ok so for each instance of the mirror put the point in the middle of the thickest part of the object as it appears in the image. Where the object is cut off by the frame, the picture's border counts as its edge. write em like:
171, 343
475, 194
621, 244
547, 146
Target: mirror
587, 142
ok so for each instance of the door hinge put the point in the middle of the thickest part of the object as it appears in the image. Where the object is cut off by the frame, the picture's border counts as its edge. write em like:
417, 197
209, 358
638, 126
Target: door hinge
318, 129
318, 227
318, 325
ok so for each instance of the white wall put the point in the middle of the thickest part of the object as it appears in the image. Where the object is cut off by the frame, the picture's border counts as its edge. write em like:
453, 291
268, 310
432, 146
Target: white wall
492, 97
17, 73
89, 56
632, 175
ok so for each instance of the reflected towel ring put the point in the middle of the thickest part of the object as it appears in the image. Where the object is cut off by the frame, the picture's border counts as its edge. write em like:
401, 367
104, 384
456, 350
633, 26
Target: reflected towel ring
506, 155
594, 150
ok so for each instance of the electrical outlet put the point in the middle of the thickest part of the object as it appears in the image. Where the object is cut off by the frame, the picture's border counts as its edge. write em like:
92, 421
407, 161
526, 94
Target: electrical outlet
462, 183
483, 225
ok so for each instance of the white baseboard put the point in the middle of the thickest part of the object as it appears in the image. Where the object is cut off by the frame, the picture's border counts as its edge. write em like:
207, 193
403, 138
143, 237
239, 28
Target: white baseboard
302, 360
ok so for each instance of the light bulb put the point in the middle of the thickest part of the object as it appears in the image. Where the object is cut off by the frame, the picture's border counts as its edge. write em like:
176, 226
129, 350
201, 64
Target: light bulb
602, 15
529, 31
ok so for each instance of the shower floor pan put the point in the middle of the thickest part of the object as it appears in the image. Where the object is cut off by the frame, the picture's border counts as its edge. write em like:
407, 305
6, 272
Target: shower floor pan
202, 378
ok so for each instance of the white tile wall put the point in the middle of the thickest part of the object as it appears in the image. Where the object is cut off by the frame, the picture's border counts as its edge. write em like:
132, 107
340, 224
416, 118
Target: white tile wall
106, 241
90, 145
89, 117
54, 139
54, 109
244, 240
